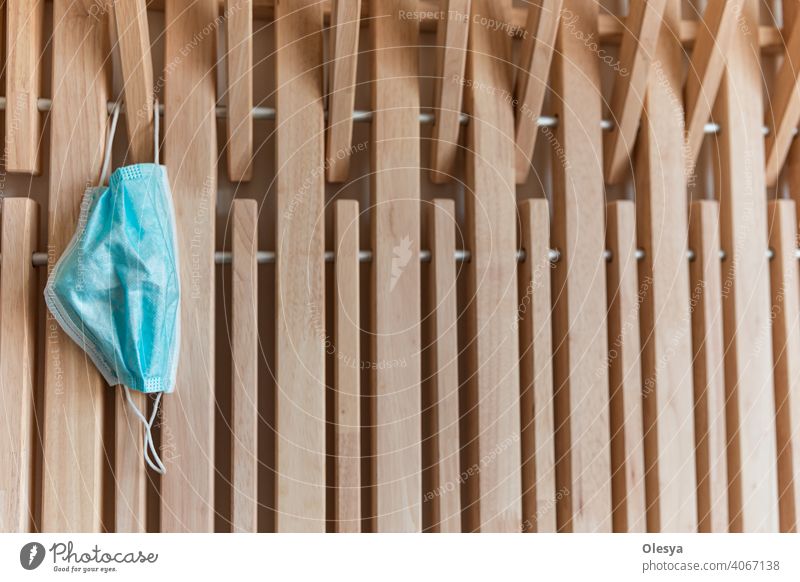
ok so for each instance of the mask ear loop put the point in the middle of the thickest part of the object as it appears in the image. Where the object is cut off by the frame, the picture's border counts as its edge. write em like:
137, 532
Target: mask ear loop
109, 143
150, 454
156, 124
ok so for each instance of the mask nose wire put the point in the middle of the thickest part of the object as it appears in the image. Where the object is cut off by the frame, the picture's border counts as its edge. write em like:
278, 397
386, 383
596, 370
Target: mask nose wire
150, 454
109, 143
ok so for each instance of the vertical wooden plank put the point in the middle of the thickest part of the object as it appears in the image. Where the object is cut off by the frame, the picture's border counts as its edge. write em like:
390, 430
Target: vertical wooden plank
639, 41
451, 55
709, 379
347, 369
536, 371
130, 473
625, 371
786, 349
492, 425
239, 59
74, 391
133, 37
583, 466
531, 84
739, 161
442, 495
345, 23
662, 224
23, 85
244, 443
18, 310
187, 431
300, 269
396, 302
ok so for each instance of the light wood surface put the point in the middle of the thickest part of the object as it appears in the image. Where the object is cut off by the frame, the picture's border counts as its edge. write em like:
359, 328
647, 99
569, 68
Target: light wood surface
18, 316
580, 366
493, 500
642, 29
750, 398
244, 444
786, 349
395, 239
190, 136
74, 391
536, 370
23, 74
625, 371
347, 369
531, 81
344, 32
709, 379
662, 227
452, 32
133, 38
130, 470
239, 60
441, 486
300, 270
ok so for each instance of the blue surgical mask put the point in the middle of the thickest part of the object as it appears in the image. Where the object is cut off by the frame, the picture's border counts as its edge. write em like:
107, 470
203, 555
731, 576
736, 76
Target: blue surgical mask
115, 290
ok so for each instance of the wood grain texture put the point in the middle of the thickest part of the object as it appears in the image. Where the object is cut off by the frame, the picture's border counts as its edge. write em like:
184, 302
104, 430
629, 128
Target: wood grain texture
130, 472
710, 53
133, 38
786, 352
396, 303
18, 317
750, 397
709, 379
300, 269
448, 88
662, 226
187, 429
244, 443
531, 84
74, 391
583, 465
441, 448
24, 20
625, 371
347, 325
345, 24
642, 28
239, 60
539, 493
493, 500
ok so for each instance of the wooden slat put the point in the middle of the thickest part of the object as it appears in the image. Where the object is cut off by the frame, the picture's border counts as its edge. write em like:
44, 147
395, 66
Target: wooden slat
706, 67
74, 391
451, 45
18, 317
442, 495
786, 349
23, 85
662, 225
625, 371
583, 467
130, 471
347, 369
536, 371
709, 380
300, 269
739, 161
642, 29
783, 113
492, 425
244, 443
187, 431
133, 37
239, 60
531, 83
345, 24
